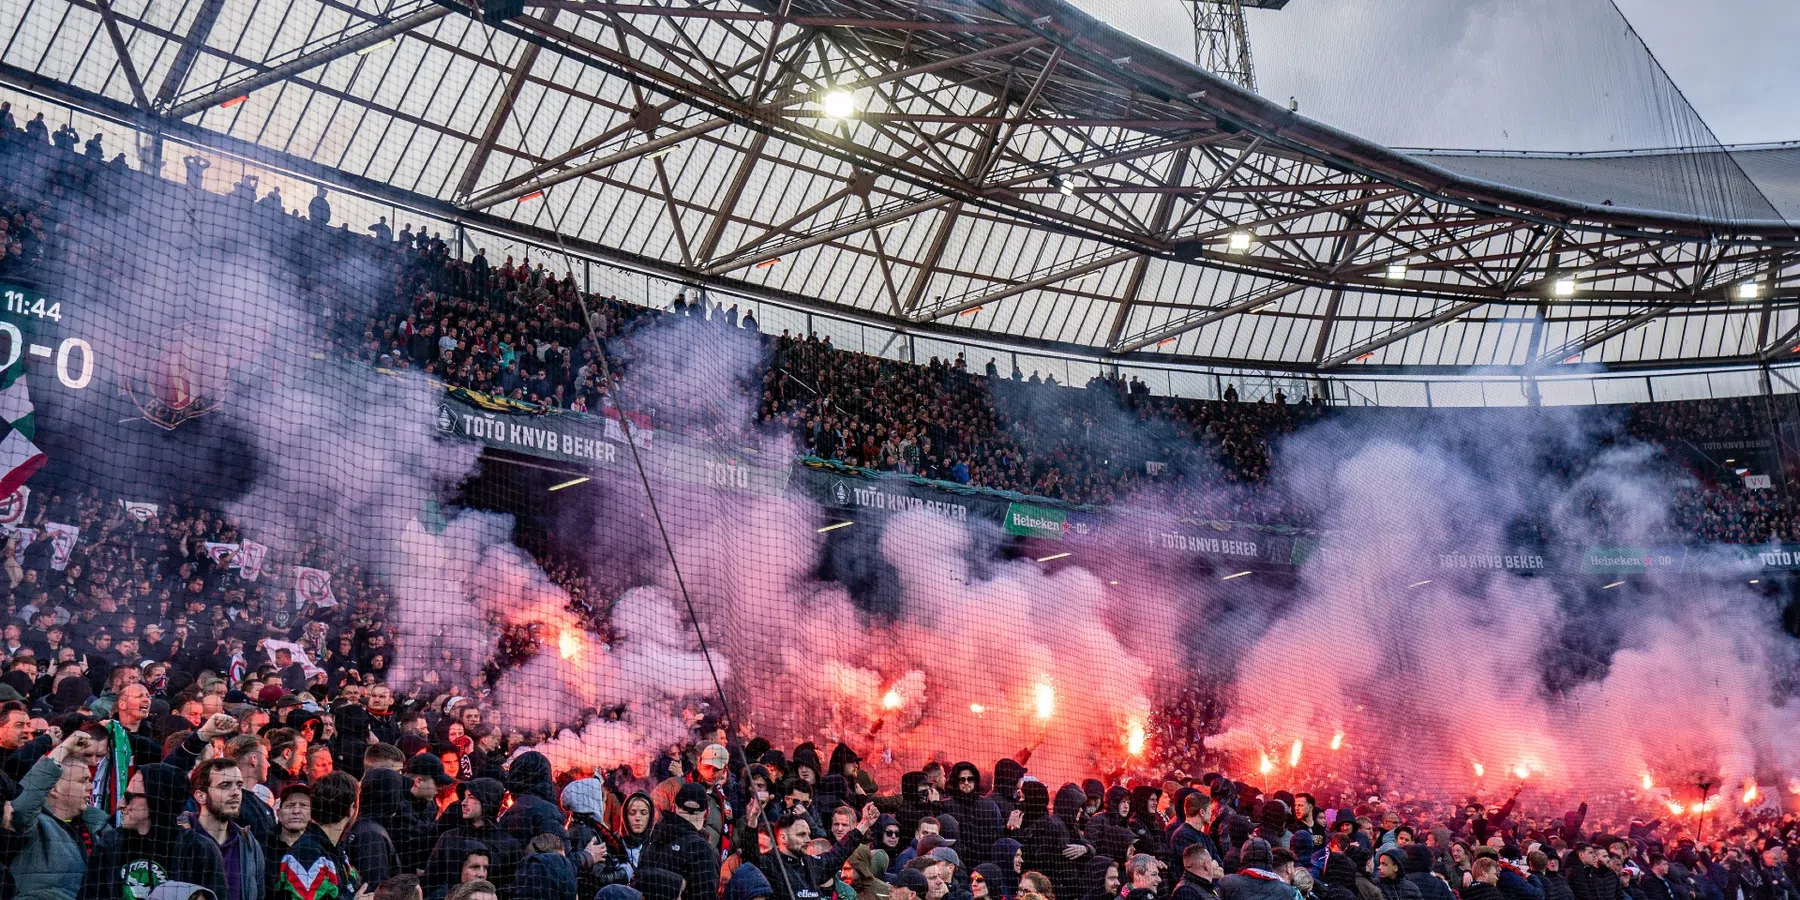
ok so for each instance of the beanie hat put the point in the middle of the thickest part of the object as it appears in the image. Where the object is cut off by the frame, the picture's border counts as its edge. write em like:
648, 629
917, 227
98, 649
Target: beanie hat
1256, 854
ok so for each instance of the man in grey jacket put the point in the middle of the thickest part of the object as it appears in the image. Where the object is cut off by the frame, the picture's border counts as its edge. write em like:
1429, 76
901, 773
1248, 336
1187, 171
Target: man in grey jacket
57, 825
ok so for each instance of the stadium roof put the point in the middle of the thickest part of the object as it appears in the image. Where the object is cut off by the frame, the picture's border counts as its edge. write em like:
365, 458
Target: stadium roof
1013, 169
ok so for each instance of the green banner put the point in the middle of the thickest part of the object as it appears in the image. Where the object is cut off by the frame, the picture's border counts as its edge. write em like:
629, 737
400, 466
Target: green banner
1035, 521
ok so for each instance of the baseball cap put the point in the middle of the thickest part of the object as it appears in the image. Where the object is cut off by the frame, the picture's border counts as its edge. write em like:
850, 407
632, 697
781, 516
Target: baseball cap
911, 879
429, 764
691, 798
715, 755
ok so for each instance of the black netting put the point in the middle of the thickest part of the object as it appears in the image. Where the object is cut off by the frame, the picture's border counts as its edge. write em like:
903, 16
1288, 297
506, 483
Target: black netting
339, 556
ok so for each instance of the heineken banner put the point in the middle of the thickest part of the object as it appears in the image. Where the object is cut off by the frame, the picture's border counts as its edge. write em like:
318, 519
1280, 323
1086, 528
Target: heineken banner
1035, 521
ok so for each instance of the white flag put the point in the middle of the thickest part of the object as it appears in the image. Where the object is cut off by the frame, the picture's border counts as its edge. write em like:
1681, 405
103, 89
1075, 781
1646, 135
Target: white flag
249, 560
62, 542
220, 553
12, 509
313, 586
26, 536
306, 663
142, 512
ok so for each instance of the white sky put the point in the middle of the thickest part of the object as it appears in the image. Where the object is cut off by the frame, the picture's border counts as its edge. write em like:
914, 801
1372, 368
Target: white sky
1517, 74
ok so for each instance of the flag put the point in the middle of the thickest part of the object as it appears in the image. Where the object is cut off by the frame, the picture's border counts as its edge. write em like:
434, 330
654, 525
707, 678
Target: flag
313, 586
306, 663
239, 669
62, 542
26, 536
220, 553
19, 457
112, 774
641, 430
140, 511
249, 560
12, 509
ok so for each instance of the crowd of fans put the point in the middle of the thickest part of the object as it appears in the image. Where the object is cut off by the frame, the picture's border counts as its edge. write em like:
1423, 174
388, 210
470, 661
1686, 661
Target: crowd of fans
173, 724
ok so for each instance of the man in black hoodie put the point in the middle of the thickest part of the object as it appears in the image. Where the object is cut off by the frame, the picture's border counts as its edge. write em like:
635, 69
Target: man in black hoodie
1050, 839
150, 847
534, 810
679, 845
978, 816
318, 858
1005, 794
481, 800
372, 850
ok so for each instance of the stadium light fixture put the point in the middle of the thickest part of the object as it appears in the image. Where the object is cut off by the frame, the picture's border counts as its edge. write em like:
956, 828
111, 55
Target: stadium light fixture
1054, 556
838, 104
1235, 575
1238, 242
836, 525
1419, 583
1749, 290
1564, 287
234, 101
665, 151
768, 263
570, 483
534, 195
1114, 581
1611, 586
1756, 581
374, 47
1396, 271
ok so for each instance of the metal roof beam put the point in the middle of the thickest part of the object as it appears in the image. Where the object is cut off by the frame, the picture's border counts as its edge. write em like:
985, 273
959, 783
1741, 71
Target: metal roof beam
1573, 349
955, 306
732, 15
309, 61
1356, 351
111, 21
515, 82
189, 51
605, 162
1204, 317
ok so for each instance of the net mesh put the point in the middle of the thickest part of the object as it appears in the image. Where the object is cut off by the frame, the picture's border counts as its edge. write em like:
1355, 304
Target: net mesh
359, 553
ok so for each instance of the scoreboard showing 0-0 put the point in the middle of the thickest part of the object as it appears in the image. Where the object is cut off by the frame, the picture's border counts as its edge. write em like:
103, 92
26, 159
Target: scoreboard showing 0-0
29, 330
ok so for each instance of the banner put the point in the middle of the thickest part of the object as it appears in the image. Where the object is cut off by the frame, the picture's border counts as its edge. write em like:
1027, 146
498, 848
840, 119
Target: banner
12, 509
220, 554
313, 586
564, 438
1026, 520
306, 663
250, 560
26, 536
138, 511
698, 464
1632, 560
1758, 482
62, 542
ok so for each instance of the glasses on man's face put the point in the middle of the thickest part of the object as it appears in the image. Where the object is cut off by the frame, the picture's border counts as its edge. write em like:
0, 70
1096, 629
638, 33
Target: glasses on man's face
977, 879
130, 796
965, 779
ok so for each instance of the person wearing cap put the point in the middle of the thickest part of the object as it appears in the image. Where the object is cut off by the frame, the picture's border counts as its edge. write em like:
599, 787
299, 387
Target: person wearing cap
908, 884
712, 772
679, 845
431, 789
